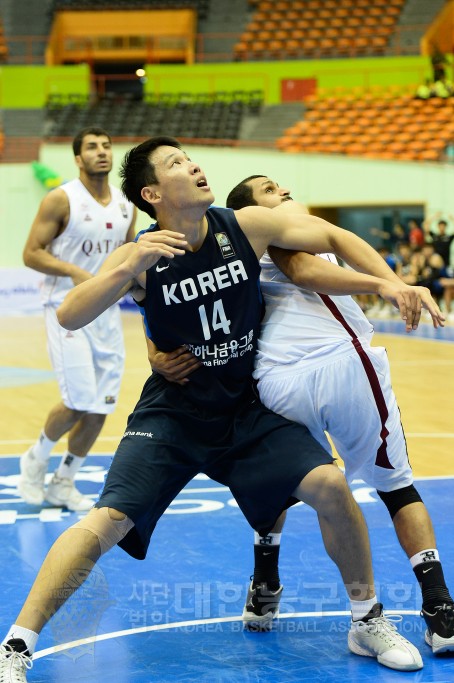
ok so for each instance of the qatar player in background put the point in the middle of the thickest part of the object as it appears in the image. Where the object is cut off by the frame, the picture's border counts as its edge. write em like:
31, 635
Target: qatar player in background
76, 228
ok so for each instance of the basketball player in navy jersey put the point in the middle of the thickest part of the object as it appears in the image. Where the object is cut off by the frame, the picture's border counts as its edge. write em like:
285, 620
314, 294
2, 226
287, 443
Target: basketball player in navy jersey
196, 275
77, 226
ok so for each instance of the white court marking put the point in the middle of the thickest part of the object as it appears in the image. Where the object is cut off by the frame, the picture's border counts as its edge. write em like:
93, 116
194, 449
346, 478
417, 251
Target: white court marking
196, 622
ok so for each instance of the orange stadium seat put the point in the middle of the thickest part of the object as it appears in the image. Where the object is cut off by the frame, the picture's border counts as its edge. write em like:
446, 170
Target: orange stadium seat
277, 16
275, 47
301, 24
264, 36
293, 16
269, 25
336, 22
241, 49
392, 10
429, 155
297, 34
293, 47
286, 25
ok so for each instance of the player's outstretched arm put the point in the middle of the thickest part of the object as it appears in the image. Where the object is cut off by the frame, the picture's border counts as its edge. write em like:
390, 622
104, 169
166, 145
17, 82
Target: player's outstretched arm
122, 270
317, 274
283, 227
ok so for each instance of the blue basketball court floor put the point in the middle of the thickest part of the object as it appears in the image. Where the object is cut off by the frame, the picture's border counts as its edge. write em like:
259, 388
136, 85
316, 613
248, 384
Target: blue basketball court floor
176, 616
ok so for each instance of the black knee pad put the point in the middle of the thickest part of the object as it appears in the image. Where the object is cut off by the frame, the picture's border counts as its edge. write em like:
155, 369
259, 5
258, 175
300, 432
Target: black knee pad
396, 500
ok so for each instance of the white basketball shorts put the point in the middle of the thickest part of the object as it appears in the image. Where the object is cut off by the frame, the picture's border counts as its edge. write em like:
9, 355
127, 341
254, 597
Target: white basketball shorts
89, 362
351, 398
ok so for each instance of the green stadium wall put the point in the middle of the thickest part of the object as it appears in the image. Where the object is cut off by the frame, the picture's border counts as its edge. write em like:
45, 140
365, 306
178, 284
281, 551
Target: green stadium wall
317, 180
268, 76
30, 86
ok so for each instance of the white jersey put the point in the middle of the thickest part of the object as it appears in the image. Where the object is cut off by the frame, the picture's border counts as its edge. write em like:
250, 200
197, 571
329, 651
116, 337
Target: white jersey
300, 325
316, 367
92, 233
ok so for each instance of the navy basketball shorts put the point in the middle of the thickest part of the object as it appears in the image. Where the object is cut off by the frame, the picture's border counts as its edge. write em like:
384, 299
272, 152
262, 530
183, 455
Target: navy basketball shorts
262, 457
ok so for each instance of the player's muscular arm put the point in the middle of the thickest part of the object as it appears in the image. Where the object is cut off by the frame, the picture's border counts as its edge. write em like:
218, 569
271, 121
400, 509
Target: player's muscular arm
123, 269
284, 227
317, 274
349, 247
50, 221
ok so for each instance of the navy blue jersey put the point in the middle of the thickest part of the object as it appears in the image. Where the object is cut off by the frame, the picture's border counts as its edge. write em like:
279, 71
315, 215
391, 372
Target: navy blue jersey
210, 301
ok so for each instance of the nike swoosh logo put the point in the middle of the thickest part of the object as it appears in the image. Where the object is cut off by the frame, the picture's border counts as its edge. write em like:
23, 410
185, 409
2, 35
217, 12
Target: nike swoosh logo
424, 571
267, 553
159, 268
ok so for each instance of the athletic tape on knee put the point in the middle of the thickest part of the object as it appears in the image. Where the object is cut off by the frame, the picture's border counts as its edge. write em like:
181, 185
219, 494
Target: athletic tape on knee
109, 531
396, 500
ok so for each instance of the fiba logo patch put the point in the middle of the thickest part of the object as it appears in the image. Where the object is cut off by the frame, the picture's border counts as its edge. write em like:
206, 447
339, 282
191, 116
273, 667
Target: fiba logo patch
109, 400
224, 244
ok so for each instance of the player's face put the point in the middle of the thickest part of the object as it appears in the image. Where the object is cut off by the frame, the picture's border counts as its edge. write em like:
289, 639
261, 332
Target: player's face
268, 193
182, 183
95, 157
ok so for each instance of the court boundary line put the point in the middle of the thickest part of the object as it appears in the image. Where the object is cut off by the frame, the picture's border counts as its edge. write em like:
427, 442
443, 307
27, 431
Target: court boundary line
56, 649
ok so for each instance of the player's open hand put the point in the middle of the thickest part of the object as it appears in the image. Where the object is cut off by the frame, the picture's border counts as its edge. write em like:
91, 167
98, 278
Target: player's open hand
410, 300
151, 246
429, 303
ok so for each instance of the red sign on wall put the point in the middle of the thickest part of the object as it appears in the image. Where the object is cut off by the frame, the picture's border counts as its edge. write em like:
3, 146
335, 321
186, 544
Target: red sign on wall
297, 89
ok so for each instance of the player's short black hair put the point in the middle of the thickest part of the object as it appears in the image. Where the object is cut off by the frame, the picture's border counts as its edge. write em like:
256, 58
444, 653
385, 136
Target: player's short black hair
241, 195
89, 130
137, 171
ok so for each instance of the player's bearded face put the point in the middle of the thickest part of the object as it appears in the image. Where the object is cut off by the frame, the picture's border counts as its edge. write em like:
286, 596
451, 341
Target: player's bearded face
98, 166
95, 158
267, 193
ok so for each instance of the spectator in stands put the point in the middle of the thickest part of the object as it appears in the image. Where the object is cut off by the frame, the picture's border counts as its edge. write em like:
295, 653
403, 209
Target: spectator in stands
415, 234
391, 238
424, 91
403, 264
77, 226
447, 284
440, 238
431, 268
442, 88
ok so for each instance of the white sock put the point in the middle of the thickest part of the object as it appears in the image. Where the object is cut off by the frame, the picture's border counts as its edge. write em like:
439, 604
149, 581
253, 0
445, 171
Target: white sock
270, 539
360, 608
30, 638
42, 448
69, 466
428, 555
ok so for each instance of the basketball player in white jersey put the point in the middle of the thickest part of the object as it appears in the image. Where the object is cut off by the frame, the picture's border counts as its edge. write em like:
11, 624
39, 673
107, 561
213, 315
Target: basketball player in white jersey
315, 365
77, 226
